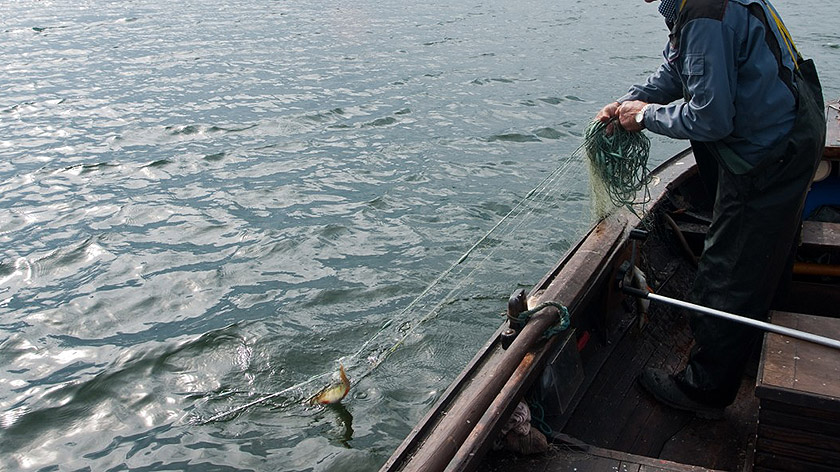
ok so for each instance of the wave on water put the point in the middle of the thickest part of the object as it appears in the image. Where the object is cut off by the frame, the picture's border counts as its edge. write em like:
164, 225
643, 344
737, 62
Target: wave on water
91, 396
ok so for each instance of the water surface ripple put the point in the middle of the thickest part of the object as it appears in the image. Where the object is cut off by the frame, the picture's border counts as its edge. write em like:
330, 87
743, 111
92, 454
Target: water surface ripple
204, 203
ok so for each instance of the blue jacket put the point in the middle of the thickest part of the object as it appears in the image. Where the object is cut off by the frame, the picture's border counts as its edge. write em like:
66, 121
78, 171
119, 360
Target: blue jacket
736, 79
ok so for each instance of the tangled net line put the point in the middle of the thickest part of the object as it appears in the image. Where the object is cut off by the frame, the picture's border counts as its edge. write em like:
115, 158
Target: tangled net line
619, 160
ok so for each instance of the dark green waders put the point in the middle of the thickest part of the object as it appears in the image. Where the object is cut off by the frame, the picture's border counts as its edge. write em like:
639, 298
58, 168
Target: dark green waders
750, 243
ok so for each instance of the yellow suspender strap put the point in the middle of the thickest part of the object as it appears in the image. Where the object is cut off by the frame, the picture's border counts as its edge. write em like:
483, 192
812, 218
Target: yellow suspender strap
785, 34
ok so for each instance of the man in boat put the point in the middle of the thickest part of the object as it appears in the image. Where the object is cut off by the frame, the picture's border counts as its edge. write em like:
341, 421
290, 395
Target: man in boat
732, 83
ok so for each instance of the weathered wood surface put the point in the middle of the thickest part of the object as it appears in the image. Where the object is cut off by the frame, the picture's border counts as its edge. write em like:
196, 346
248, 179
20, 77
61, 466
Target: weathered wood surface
816, 441
821, 235
774, 463
795, 419
805, 452
832, 135
617, 414
799, 389
799, 367
588, 459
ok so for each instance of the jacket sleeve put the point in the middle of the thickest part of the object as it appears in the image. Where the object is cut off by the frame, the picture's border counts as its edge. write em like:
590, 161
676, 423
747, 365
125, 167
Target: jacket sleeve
706, 58
663, 86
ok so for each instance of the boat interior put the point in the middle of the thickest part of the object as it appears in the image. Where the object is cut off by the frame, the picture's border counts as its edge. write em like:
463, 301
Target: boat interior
787, 413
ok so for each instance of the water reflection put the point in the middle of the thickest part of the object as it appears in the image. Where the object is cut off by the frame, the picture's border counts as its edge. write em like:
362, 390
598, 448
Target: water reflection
345, 422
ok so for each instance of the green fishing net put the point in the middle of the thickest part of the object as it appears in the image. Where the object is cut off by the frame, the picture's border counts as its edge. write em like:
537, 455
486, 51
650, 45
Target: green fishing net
618, 170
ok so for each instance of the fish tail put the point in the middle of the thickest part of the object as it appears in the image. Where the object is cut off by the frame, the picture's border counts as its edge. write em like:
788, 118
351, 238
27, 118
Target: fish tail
343, 375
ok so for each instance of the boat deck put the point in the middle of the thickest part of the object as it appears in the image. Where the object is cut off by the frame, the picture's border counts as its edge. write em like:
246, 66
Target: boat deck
616, 425
618, 416
595, 459
615, 414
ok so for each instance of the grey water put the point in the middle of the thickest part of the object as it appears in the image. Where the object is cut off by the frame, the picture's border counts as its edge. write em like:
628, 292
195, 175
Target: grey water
206, 203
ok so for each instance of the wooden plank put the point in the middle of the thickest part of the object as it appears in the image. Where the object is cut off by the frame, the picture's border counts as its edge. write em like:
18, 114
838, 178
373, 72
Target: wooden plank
832, 125
775, 462
583, 463
598, 356
820, 235
810, 411
613, 402
788, 420
800, 366
797, 451
582, 458
799, 437
797, 398
558, 460
652, 424
622, 407
615, 413
503, 461
717, 444
645, 463
647, 425
597, 459
624, 466
595, 420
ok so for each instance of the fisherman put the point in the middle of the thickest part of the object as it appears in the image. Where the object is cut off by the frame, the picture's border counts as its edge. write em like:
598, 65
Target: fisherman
732, 83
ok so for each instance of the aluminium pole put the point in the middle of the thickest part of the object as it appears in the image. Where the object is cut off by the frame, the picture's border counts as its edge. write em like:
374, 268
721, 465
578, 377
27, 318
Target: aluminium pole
794, 333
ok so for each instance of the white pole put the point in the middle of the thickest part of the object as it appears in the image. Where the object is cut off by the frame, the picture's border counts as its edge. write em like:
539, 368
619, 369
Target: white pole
794, 333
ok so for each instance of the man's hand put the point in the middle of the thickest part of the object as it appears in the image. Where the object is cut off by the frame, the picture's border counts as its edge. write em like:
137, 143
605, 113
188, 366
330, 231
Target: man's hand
608, 113
627, 114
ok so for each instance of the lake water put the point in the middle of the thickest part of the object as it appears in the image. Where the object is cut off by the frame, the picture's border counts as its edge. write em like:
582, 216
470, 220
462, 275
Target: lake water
206, 203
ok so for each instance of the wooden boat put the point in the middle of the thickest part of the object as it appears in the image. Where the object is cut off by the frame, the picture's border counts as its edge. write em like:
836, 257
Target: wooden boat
786, 417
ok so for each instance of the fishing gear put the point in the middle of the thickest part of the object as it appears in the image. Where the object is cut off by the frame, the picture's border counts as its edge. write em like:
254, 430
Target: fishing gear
619, 160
